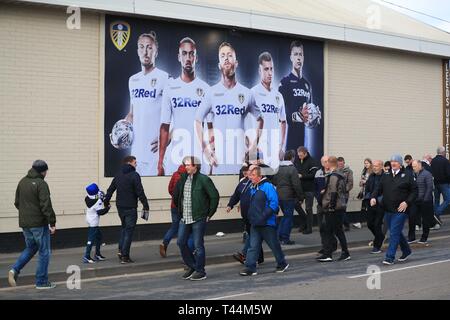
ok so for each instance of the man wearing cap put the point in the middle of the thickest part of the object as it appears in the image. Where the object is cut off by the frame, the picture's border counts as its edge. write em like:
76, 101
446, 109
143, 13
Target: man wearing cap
399, 192
37, 220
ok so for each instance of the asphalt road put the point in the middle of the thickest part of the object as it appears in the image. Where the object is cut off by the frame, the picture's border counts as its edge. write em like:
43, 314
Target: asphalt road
424, 276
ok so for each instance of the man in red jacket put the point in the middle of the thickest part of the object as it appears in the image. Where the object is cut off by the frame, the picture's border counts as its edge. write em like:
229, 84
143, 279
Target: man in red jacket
173, 230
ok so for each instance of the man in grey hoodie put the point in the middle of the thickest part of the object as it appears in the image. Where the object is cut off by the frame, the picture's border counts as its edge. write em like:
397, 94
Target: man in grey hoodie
290, 192
348, 174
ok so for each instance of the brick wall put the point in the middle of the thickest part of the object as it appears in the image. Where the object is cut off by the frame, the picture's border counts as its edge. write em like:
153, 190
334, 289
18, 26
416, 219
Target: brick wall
51, 108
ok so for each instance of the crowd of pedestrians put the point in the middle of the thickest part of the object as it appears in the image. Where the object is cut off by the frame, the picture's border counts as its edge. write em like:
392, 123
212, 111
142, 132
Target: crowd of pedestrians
391, 192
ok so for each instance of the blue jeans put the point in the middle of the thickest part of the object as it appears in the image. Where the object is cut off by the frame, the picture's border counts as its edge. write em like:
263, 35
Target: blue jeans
444, 188
257, 235
36, 240
128, 217
248, 228
173, 230
196, 259
286, 223
94, 238
395, 222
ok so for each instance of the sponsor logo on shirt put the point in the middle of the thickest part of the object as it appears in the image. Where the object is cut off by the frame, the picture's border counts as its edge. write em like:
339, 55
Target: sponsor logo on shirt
142, 93
229, 109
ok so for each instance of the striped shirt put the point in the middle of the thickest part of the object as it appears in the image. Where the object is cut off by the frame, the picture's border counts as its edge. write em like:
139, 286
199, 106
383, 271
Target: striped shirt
187, 202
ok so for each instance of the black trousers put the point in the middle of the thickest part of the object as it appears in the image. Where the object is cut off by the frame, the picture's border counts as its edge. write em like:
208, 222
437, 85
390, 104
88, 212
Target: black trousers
306, 218
333, 228
375, 216
426, 212
412, 213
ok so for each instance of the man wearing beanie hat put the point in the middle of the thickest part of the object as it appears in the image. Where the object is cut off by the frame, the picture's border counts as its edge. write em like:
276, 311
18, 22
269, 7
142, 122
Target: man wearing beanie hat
37, 220
399, 191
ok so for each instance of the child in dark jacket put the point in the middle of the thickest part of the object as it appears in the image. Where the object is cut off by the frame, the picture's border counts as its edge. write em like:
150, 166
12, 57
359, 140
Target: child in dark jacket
95, 209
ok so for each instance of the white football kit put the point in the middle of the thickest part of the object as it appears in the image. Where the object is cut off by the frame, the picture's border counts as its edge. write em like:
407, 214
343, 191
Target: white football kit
181, 101
145, 98
229, 108
271, 105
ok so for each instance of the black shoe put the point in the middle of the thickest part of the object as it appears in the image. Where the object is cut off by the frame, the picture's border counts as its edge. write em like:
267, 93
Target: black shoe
99, 257
126, 260
307, 231
324, 258
282, 268
404, 257
247, 272
239, 257
188, 274
260, 261
346, 228
197, 276
344, 256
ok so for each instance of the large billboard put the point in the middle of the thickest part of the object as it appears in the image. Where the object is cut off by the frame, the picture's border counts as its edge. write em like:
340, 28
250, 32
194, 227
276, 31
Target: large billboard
223, 95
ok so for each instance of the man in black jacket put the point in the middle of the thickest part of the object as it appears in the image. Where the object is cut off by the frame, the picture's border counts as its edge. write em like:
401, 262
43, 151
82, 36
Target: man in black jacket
399, 192
129, 188
375, 213
306, 167
440, 168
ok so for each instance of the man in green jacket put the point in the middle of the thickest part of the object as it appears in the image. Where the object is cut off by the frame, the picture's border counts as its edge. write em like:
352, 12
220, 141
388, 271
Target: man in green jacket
37, 220
196, 199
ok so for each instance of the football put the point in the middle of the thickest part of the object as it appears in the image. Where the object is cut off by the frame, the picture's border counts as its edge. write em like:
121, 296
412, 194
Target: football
121, 135
314, 116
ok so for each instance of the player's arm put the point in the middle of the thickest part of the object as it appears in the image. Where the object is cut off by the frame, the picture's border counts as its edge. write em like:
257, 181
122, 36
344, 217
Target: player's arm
283, 124
166, 116
129, 116
163, 140
208, 149
256, 112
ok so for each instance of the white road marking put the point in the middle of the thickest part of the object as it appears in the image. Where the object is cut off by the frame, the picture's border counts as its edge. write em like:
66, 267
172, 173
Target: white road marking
231, 296
398, 269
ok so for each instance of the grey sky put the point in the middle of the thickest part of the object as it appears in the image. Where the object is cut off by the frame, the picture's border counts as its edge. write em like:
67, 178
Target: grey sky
436, 8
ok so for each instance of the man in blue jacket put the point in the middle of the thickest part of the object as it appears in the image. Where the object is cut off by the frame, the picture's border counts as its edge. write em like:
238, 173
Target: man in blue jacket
242, 195
262, 217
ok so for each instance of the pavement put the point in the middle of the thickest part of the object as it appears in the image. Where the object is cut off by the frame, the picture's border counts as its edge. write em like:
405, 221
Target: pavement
146, 255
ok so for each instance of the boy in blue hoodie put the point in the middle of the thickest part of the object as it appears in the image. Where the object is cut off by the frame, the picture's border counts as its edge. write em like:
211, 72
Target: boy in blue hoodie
262, 217
95, 209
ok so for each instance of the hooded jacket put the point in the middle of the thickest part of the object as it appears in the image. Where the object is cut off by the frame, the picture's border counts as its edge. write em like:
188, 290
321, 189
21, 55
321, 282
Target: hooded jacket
95, 209
348, 174
33, 201
173, 182
287, 182
263, 204
129, 188
333, 198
